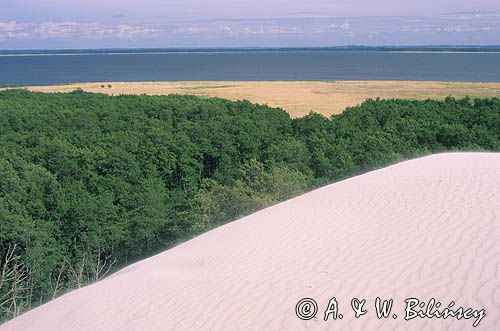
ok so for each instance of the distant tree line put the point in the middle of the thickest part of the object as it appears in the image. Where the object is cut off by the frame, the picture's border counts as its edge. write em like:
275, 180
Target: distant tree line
90, 182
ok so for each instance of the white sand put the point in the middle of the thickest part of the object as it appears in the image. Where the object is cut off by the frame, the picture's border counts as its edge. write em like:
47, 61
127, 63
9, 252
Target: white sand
424, 228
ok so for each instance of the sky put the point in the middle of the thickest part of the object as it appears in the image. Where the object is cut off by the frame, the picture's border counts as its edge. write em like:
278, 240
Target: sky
59, 24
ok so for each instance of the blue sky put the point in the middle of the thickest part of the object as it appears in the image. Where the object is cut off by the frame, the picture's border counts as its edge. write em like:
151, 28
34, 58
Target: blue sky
28, 24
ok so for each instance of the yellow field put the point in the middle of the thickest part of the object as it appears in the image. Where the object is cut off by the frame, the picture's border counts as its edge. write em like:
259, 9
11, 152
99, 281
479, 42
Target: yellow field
298, 98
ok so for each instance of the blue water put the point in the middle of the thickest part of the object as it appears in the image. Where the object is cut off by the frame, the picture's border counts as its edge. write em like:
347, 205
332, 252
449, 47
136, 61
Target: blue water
248, 66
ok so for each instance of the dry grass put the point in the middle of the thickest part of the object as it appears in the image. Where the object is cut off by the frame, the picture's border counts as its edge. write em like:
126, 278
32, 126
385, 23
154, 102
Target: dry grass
298, 98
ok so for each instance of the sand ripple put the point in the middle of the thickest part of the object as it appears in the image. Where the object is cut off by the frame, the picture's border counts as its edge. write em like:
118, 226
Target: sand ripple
424, 228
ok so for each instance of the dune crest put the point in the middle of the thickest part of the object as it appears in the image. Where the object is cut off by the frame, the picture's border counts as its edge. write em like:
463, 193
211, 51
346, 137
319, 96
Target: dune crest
425, 228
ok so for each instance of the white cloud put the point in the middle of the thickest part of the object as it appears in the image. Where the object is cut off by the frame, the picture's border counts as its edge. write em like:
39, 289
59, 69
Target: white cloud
257, 30
56, 29
331, 30
464, 28
9, 26
69, 29
286, 30
228, 30
191, 29
96, 31
334, 27
249, 30
132, 31
12, 29
340, 26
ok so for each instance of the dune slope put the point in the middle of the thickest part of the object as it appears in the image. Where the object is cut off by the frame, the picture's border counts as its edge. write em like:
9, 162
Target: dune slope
426, 228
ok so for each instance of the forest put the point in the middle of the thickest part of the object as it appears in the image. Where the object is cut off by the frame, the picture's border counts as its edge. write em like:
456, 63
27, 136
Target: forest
90, 183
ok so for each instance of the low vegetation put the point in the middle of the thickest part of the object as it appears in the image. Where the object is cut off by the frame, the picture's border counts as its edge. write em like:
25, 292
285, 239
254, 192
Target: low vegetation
91, 182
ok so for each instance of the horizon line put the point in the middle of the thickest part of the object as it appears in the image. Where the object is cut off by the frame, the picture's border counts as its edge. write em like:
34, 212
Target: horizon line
194, 48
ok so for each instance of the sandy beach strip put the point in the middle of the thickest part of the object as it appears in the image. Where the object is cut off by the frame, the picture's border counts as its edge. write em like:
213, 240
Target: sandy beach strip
425, 228
298, 98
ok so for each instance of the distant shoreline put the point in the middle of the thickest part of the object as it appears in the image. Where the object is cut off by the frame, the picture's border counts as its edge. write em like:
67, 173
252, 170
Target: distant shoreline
445, 52
493, 49
232, 52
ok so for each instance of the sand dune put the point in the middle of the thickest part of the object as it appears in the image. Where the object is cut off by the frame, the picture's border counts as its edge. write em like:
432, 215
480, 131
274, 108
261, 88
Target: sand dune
298, 98
426, 228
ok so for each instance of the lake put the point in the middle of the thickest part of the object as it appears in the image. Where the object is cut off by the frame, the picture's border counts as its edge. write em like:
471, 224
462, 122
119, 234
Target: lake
249, 66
